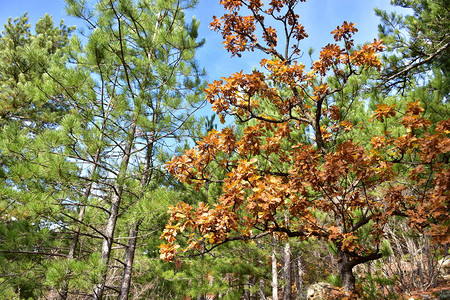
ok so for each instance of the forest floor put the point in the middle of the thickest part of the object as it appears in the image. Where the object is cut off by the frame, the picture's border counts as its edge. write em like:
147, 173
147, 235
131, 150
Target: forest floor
439, 292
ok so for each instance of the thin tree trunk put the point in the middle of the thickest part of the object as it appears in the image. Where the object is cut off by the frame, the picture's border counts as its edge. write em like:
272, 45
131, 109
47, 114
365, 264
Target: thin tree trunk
274, 270
146, 177
65, 289
262, 289
108, 241
76, 236
129, 259
247, 295
87, 193
261, 281
114, 212
299, 279
287, 272
119, 185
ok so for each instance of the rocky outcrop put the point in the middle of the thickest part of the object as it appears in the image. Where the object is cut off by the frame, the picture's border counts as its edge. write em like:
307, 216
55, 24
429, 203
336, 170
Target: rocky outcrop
319, 291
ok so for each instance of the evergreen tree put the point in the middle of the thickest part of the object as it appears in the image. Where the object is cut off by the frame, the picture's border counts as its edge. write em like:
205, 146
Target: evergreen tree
32, 105
147, 87
85, 130
418, 45
27, 94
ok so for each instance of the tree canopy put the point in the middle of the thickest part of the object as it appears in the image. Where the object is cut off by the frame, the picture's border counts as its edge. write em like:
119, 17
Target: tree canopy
116, 183
297, 168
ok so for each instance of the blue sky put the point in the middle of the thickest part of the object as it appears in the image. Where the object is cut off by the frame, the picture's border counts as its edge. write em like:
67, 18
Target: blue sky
319, 17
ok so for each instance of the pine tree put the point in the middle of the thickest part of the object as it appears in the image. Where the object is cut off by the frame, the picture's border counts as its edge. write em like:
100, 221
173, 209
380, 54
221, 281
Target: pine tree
417, 44
31, 106
85, 130
147, 87
26, 95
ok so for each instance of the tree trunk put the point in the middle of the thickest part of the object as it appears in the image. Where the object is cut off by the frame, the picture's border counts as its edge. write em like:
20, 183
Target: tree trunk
65, 289
262, 289
299, 279
345, 267
108, 241
274, 270
114, 212
346, 264
76, 236
129, 259
146, 177
247, 295
261, 281
287, 294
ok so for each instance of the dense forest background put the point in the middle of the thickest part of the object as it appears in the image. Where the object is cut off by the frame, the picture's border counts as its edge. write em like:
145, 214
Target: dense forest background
332, 181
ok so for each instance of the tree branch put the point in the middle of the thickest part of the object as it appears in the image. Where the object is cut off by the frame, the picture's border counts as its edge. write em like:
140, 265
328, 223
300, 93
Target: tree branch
410, 67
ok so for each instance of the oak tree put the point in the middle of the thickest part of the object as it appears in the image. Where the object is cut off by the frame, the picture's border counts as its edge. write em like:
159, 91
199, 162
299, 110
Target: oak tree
295, 170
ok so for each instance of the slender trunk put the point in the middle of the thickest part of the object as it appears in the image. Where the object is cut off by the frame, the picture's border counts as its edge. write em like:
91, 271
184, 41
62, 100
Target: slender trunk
299, 279
247, 295
76, 236
262, 289
65, 289
146, 177
199, 284
87, 193
118, 187
274, 270
129, 259
287, 271
108, 241
114, 212
261, 281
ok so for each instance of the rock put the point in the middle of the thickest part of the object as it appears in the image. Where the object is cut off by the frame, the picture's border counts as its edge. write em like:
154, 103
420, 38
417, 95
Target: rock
444, 267
318, 291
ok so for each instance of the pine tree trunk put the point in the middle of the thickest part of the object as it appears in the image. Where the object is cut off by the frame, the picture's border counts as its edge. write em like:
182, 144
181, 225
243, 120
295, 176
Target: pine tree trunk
65, 290
76, 235
129, 259
114, 212
299, 279
261, 290
287, 294
107, 241
146, 177
274, 270
247, 295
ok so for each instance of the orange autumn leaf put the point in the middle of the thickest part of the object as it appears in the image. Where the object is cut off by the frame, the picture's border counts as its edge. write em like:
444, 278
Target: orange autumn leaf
383, 111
